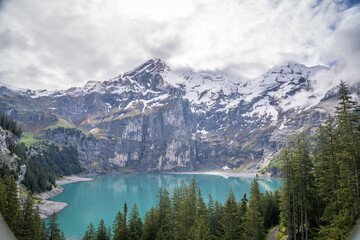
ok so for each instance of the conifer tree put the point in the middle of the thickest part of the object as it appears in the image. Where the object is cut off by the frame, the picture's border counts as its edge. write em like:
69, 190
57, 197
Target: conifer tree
38, 232
229, 225
12, 208
135, 225
120, 225
90, 233
53, 228
348, 161
165, 213
304, 180
3, 196
150, 228
200, 228
288, 213
28, 219
43, 231
212, 219
254, 220
102, 233
187, 210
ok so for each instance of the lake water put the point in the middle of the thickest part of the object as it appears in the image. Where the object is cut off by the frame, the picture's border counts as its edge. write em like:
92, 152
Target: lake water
104, 197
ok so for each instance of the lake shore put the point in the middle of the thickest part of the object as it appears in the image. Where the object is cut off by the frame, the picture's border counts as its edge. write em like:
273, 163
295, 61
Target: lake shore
46, 207
222, 173
73, 178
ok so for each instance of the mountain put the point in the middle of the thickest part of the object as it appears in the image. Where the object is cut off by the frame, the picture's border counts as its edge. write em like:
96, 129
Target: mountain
154, 118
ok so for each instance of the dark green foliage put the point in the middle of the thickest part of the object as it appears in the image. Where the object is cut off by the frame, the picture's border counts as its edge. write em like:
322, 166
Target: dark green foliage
150, 229
23, 221
51, 162
229, 224
271, 209
59, 161
254, 218
102, 233
53, 230
18, 149
62, 130
320, 197
37, 179
6, 171
120, 227
28, 219
135, 225
9, 124
164, 213
11, 206
90, 233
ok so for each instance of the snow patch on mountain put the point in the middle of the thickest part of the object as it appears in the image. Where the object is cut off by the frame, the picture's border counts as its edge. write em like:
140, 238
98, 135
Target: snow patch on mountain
282, 88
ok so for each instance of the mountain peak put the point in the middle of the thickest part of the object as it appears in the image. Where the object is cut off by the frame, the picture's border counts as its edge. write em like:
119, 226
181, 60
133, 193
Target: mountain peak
153, 66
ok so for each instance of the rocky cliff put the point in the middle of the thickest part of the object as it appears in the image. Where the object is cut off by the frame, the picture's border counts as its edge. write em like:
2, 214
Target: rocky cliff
153, 118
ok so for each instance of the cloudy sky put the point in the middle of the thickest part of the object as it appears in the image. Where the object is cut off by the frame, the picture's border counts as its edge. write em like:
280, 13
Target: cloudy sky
62, 43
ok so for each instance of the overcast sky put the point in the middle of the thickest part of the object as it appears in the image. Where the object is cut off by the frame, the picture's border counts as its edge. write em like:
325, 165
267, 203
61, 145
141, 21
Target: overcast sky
58, 44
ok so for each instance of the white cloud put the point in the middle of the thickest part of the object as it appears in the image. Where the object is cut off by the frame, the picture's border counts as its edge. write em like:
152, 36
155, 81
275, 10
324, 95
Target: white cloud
58, 44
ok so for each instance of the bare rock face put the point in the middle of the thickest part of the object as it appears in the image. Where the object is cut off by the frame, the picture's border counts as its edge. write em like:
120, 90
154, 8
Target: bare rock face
3, 145
153, 118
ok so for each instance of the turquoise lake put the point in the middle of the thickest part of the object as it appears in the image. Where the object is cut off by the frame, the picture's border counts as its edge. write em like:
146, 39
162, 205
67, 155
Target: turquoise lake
104, 197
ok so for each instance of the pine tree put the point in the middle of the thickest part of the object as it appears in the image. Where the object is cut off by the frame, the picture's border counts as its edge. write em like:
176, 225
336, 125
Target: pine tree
326, 173
37, 225
254, 221
120, 226
229, 225
165, 213
43, 231
12, 209
212, 219
28, 219
348, 161
53, 228
135, 225
186, 210
304, 180
102, 233
3, 196
150, 228
90, 233
200, 228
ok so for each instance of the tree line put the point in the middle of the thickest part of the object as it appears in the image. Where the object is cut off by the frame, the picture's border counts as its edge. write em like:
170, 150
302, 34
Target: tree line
49, 163
10, 124
185, 215
23, 217
320, 197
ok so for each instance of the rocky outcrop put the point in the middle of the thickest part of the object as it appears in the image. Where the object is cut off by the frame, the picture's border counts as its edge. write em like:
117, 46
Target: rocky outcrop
154, 119
3, 141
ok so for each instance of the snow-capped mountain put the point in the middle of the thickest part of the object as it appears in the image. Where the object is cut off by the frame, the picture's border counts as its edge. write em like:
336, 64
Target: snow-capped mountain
155, 118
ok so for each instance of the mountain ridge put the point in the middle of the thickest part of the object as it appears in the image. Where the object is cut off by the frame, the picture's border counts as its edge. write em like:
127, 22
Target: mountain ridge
154, 118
